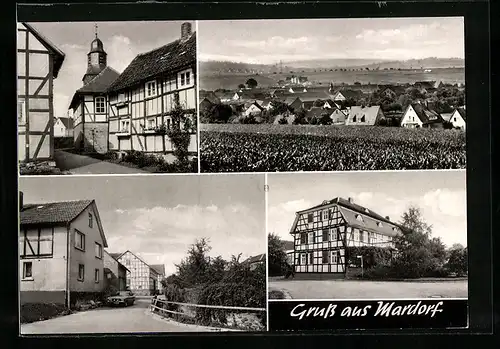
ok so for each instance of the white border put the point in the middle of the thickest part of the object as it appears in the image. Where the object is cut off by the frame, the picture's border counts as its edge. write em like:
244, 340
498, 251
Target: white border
197, 97
266, 190
364, 299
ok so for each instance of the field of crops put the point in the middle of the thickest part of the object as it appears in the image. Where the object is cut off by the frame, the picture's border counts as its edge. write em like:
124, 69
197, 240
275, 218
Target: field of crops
271, 148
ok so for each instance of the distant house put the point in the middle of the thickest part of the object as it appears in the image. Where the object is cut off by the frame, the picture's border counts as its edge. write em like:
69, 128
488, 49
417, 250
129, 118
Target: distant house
330, 104
458, 118
61, 251
205, 104
316, 112
291, 90
115, 273
142, 278
267, 104
388, 93
229, 97
339, 116
360, 115
254, 109
425, 84
342, 95
160, 270
418, 115
254, 261
63, 127
293, 102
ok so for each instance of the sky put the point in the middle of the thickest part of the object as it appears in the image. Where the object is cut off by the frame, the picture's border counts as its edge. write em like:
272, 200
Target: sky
159, 217
122, 41
268, 41
440, 195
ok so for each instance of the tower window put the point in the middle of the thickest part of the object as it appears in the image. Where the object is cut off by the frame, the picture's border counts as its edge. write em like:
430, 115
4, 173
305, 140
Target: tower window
100, 105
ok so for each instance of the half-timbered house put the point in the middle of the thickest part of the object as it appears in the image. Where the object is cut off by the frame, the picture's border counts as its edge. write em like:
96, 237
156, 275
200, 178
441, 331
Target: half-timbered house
38, 64
142, 98
142, 278
322, 233
89, 104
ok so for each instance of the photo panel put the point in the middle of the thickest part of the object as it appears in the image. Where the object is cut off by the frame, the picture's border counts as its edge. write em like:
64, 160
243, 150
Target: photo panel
142, 254
364, 250
332, 94
107, 97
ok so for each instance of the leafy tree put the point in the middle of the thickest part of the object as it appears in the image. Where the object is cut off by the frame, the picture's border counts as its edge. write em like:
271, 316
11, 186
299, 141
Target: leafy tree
279, 108
416, 255
220, 113
447, 125
325, 119
277, 255
282, 120
241, 85
251, 83
458, 260
195, 268
300, 118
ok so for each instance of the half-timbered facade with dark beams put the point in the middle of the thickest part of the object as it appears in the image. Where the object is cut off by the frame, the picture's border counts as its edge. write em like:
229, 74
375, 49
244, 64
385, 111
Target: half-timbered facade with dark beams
142, 98
90, 102
142, 278
38, 64
323, 232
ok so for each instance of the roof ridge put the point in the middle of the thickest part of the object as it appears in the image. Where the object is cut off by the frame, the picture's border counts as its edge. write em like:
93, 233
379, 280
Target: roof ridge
60, 202
193, 34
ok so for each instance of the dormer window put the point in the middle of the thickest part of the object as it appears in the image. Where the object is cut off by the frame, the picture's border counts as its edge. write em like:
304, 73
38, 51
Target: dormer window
363, 119
379, 224
151, 88
359, 218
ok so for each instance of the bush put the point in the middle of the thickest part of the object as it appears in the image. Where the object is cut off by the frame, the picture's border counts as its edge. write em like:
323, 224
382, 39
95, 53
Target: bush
372, 256
380, 272
229, 294
31, 312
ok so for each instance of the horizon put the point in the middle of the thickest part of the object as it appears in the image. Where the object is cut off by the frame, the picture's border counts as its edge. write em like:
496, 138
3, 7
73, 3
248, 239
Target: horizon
271, 41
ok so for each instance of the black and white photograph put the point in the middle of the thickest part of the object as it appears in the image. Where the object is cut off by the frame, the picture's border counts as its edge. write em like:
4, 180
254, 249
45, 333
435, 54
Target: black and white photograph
367, 235
107, 97
142, 254
332, 94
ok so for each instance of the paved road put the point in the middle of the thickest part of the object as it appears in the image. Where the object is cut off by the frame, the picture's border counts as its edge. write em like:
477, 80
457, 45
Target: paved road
349, 289
81, 164
133, 319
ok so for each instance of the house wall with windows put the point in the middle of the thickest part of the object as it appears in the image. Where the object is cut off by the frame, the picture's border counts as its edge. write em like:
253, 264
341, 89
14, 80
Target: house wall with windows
322, 234
86, 254
410, 119
136, 113
91, 123
42, 266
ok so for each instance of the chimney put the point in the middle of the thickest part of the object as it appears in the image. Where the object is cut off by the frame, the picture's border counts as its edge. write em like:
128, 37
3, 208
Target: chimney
21, 203
185, 31
388, 218
351, 200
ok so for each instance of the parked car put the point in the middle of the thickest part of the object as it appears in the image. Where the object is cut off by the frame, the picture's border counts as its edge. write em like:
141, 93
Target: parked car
124, 298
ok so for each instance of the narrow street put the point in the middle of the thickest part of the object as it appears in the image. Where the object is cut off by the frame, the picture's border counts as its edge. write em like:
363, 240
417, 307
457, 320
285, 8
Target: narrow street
81, 164
134, 319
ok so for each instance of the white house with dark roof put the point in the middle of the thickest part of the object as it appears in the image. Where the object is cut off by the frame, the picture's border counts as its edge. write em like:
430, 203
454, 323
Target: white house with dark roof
418, 115
63, 127
458, 118
322, 234
361, 115
254, 261
61, 251
143, 97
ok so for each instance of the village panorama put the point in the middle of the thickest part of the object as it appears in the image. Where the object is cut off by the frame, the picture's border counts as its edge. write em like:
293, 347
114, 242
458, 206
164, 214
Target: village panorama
327, 114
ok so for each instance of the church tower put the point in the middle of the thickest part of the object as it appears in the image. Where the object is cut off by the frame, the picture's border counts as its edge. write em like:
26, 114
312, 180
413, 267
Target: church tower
97, 59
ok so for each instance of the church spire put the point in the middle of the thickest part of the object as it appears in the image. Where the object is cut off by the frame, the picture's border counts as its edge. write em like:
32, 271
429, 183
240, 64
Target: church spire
97, 58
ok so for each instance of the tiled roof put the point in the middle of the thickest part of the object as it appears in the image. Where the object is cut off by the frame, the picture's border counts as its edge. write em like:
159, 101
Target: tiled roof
350, 93
58, 54
166, 59
255, 259
426, 115
317, 112
160, 268
461, 111
99, 84
370, 114
53, 212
